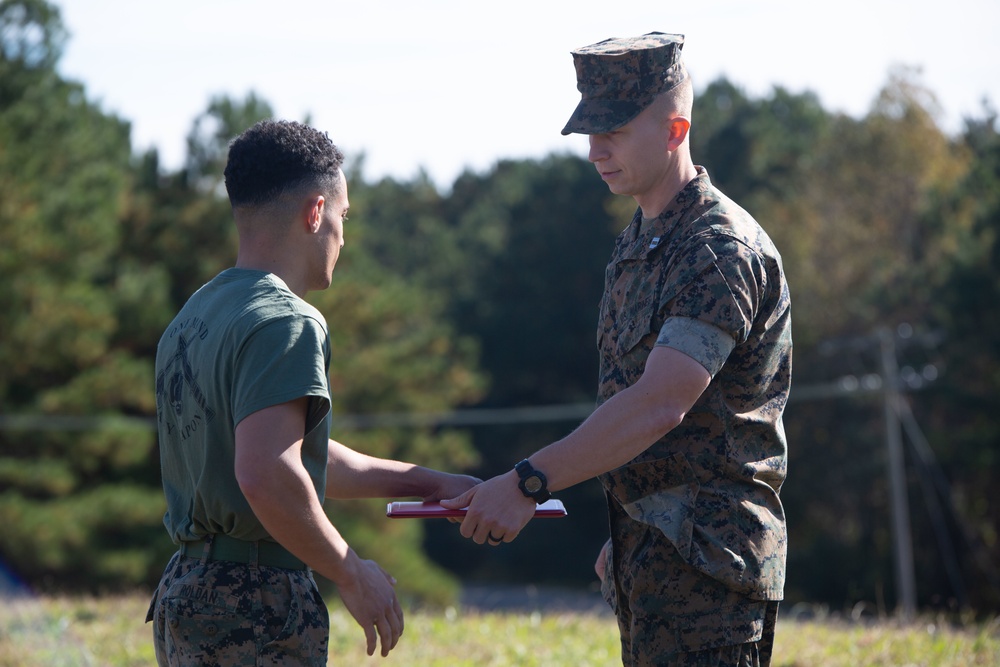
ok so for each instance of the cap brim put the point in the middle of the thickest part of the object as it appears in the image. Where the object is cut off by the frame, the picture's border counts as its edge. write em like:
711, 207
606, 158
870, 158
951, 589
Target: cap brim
595, 116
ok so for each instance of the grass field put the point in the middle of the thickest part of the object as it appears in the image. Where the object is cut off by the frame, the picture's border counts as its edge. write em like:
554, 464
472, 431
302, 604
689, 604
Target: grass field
110, 632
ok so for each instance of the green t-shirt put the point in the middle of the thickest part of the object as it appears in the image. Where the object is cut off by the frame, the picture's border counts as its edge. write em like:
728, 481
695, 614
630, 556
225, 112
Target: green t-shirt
242, 343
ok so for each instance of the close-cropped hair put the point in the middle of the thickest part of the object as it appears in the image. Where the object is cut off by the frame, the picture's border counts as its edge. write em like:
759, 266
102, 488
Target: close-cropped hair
678, 101
274, 157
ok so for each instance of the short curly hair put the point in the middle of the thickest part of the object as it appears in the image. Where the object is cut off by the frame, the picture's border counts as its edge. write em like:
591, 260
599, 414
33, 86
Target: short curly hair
276, 156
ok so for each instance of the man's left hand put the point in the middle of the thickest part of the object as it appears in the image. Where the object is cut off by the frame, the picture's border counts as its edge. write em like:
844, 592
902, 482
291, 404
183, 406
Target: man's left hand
497, 510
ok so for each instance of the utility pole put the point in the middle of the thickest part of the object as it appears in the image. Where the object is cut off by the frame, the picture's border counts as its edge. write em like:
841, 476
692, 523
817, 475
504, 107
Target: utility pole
903, 543
889, 383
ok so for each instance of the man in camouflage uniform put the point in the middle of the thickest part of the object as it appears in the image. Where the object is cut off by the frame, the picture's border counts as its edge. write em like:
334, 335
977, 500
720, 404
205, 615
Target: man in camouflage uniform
243, 408
695, 366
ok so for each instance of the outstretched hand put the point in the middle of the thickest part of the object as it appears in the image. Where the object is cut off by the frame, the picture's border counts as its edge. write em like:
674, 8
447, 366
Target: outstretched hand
497, 510
451, 486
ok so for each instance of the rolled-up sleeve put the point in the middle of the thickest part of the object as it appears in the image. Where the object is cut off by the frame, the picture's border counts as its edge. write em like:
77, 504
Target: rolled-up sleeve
705, 343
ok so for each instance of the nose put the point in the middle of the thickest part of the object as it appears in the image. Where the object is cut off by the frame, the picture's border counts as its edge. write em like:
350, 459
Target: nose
598, 149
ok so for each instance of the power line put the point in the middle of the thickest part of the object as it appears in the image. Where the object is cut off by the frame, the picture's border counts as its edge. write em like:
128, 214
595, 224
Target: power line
848, 385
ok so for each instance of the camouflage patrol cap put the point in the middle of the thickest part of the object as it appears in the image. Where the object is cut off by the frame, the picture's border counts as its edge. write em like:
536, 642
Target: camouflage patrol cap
620, 77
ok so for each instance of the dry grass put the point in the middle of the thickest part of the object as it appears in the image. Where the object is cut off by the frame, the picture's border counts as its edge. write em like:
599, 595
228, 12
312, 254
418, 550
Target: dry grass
111, 632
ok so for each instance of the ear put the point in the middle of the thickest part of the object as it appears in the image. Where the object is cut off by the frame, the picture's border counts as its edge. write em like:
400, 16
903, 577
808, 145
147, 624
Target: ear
314, 213
677, 132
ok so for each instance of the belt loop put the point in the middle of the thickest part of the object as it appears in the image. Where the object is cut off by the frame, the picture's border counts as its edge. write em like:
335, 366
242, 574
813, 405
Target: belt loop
207, 549
254, 553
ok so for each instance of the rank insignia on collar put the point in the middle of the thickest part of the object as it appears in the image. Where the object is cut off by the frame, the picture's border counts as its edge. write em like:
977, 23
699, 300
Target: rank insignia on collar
655, 242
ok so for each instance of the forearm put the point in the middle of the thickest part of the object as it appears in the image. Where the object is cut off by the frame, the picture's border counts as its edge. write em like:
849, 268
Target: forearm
614, 434
628, 423
351, 474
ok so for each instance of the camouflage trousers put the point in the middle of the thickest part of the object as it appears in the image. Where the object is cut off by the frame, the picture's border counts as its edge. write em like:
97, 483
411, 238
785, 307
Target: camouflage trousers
672, 615
228, 614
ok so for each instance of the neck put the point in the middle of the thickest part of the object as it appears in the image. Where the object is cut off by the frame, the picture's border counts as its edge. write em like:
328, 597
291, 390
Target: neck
288, 277
673, 181
271, 256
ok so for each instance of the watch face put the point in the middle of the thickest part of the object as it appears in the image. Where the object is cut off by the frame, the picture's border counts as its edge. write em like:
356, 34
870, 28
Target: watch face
532, 484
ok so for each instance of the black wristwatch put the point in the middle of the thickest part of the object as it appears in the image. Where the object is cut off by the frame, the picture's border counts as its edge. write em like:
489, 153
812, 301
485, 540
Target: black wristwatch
533, 483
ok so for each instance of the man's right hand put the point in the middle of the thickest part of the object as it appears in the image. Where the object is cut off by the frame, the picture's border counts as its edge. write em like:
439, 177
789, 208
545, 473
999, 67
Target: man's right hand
369, 595
601, 564
269, 465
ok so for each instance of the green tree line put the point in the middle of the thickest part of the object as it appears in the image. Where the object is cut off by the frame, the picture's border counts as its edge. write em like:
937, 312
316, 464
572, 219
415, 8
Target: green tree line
485, 296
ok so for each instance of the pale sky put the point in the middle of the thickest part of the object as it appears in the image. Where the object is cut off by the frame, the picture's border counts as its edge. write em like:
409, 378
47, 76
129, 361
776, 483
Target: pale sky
450, 84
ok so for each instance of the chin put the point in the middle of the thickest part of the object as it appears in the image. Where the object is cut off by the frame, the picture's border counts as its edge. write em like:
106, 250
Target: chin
321, 284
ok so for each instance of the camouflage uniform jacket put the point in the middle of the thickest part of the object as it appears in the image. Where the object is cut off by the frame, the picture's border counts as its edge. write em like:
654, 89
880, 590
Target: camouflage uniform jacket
711, 484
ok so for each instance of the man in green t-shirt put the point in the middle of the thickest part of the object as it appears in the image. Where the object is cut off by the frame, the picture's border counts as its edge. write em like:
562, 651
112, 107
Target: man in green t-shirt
243, 408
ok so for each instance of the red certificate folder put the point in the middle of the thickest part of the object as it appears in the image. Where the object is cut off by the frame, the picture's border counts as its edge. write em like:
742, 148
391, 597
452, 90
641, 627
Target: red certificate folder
414, 509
